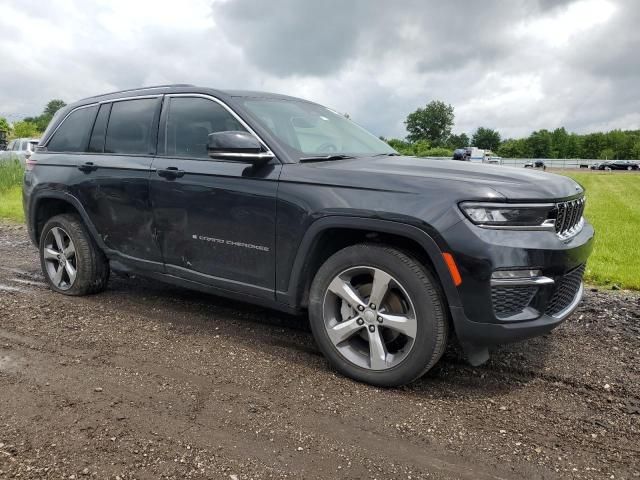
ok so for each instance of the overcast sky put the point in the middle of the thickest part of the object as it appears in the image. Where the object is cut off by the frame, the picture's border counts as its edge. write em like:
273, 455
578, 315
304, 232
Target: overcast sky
515, 66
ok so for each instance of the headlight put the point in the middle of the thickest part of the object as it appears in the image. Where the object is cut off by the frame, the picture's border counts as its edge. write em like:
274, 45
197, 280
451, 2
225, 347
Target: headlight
535, 216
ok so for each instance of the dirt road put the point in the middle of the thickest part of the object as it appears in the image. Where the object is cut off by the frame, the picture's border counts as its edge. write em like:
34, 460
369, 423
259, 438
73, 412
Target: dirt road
148, 381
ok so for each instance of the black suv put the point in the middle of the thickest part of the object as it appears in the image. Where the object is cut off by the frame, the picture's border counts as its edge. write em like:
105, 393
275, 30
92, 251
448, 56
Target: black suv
617, 165
287, 204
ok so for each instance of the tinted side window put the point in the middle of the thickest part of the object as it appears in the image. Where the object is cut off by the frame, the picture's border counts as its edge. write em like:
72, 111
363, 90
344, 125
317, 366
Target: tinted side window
73, 134
130, 124
189, 122
96, 144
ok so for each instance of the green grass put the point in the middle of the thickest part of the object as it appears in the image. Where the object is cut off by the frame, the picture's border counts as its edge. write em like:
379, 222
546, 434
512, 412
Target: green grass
10, 191
11, 204
613, 207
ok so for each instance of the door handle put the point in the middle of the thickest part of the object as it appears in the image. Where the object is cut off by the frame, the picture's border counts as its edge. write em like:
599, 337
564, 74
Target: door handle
170, 173
87, 167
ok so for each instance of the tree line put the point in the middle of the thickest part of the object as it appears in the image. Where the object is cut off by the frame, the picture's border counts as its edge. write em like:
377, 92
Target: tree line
429, 133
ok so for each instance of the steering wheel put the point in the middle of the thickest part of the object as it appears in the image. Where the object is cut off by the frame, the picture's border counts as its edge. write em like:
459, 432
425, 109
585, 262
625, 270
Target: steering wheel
327, 147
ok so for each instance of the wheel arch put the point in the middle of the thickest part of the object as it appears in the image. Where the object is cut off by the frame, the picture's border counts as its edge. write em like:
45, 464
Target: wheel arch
321, 241
47, 204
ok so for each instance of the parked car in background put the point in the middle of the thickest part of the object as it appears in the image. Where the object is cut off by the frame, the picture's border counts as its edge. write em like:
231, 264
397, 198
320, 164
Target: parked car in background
594, 166
461, 154
20, 148
536, 164
618, 165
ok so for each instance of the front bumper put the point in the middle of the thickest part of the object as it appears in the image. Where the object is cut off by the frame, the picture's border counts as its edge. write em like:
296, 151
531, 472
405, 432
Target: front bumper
478, 334
484, 316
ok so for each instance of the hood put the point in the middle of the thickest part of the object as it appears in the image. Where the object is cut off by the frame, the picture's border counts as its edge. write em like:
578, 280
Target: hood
514, 184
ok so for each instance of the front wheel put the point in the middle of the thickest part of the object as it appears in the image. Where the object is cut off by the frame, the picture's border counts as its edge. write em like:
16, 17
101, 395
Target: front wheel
377, 314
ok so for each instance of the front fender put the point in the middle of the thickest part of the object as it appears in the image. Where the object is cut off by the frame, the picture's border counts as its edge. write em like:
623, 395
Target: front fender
293, 295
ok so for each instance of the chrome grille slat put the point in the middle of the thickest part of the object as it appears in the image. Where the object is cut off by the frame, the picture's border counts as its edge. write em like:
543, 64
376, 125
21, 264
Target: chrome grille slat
574, 213
569, 217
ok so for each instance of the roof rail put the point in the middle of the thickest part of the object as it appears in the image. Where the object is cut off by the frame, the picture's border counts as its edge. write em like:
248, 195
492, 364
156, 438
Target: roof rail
143, 88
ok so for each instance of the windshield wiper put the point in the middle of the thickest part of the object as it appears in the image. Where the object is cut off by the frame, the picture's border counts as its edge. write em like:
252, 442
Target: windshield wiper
322, 158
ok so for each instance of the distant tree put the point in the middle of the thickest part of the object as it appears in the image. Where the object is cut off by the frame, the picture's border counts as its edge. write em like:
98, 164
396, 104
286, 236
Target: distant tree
559, 143
539, 144
573, 146
607, 154
514, 148
620, 143
54, 105
635, 151
41, 121
432, 123
593, 144
25, 129
4, 125
457, 141
486, 138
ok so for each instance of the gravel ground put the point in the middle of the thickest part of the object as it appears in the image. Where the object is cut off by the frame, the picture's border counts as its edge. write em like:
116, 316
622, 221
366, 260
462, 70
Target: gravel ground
149, 381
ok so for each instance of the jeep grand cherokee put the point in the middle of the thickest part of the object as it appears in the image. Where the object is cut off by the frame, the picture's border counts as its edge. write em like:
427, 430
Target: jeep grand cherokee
285, 203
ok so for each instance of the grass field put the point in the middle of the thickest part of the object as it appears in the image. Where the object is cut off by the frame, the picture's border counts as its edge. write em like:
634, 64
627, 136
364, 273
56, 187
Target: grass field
613, 206
10, 191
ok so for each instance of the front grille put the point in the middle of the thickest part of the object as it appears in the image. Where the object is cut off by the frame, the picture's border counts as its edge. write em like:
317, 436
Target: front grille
511, 300
566, 289
569, 217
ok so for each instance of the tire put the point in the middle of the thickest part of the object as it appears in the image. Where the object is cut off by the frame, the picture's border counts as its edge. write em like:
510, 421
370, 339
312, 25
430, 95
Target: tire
412, 331
78, 267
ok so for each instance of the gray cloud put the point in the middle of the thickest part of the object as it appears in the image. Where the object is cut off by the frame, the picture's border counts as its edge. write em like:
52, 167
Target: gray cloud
516, 66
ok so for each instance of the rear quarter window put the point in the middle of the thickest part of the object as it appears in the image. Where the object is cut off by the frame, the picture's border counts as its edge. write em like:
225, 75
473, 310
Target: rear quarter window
73, 133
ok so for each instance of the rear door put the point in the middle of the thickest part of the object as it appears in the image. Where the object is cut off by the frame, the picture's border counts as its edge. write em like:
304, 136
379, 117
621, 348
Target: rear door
111, 173
216, 219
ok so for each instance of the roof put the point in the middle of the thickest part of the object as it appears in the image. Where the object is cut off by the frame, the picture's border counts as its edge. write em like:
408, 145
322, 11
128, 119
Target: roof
181, 88
259, 94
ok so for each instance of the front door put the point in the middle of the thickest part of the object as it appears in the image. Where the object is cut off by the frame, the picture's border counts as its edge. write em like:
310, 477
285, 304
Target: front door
215, 219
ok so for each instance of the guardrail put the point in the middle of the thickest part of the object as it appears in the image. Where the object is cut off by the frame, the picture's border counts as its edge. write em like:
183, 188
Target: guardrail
549, 162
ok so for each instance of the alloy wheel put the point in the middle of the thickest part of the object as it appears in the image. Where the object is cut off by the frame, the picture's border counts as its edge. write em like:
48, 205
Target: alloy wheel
370, 318
60, 258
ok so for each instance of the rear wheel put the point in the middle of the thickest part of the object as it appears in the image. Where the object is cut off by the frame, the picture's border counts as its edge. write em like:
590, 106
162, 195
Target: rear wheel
377, 315
71, 262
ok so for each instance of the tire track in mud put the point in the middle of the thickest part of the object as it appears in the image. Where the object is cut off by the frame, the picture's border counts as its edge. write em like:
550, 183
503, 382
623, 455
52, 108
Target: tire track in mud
39, 360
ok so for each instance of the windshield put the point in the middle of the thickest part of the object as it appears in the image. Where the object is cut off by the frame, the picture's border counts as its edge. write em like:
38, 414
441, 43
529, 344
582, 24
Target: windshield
312, 130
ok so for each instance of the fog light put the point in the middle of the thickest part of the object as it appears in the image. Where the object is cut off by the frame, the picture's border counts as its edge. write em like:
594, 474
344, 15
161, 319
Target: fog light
523, 276
513, 274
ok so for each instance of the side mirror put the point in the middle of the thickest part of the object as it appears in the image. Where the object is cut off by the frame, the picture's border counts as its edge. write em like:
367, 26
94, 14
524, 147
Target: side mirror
237, 146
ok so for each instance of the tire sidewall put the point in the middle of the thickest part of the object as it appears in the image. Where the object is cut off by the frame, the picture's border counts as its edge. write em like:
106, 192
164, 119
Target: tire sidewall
81, 255
424, 296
